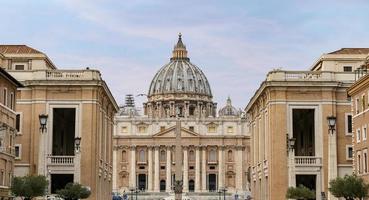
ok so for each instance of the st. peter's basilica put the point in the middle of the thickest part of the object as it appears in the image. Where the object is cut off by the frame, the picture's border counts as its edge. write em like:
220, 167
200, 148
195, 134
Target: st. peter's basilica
215, 145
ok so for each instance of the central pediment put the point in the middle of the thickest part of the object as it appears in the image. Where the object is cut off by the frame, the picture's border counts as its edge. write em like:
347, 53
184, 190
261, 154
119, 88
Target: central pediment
171, 133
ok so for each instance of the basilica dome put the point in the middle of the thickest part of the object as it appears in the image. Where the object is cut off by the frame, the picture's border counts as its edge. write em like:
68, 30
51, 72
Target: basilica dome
180, 76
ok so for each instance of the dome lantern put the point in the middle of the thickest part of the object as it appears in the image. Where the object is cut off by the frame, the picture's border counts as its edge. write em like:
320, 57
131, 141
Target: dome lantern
179, 51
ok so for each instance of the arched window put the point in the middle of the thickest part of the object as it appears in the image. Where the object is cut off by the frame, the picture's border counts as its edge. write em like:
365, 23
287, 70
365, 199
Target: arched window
162, 155
191, 155
124, 156
142, 156
212, 155
230, 156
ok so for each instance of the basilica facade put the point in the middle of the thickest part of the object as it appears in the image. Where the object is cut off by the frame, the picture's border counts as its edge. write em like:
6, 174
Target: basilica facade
215, 144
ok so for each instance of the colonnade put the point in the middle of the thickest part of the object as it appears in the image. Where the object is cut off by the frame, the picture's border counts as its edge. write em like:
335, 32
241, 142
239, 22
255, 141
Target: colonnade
201, 167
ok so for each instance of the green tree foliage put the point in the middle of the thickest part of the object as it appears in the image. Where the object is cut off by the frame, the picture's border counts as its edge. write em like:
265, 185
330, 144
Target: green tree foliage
300, 192
74, 191
349, 187
29, 187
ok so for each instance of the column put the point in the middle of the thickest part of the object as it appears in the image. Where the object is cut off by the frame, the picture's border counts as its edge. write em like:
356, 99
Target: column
220, 168
332, 159
185, 169
156, 170
239, 174
132, 174
149, 173
203, 170
197, 170
115, 169
42, 155
168, 182
291, 168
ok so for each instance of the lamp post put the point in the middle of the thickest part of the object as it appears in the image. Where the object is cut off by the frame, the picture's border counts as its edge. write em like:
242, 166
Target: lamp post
219, 195
132, 189
332, 151
291, 161
42, 162
223, 190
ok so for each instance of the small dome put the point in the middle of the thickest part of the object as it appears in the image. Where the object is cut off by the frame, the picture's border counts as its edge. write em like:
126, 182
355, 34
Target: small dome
229, 110
180, 75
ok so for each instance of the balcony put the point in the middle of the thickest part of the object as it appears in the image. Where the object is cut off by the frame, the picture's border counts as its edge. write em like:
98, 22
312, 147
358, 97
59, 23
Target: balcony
308, 161
60, 160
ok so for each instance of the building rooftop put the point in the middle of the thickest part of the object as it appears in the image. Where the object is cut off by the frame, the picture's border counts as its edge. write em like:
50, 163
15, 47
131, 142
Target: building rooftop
18, 49
351, 51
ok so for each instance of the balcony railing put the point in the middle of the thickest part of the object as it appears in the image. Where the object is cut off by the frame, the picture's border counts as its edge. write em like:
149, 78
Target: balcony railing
308, 161
87, 74
60, 160
280, 75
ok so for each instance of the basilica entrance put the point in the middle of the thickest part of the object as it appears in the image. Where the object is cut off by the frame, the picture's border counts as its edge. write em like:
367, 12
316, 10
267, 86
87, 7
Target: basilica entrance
191, 186
142, 181
162, 186
212, 182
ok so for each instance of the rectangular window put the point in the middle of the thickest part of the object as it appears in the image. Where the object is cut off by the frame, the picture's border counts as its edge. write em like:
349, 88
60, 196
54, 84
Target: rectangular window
348, 123
358, 167
349, 152
191, 128
230, 129
365, 161
142, 129
212, 129
5, 97
358, 135
357, 105
347, 68
19, 67
364, 133
11, 101
124, 129
18, 120
363, 102
18, 151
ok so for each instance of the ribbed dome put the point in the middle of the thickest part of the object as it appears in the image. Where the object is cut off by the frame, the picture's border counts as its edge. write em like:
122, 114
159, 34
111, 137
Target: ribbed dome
180, 75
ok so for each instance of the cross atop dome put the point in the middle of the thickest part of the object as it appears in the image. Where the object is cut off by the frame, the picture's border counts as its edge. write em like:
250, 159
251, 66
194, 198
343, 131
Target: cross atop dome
179, 51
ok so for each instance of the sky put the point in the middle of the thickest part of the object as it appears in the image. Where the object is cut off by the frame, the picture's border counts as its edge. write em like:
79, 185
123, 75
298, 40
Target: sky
235, 42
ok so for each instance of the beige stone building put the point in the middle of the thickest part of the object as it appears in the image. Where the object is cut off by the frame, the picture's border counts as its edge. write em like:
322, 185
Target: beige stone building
215, 148
292, 143
359, 93
76, 143
8, 129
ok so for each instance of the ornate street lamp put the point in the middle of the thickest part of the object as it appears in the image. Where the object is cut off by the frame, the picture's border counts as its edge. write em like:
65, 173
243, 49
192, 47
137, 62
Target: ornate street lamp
291, 143
331, 123
223, 190
43, 122
77, 143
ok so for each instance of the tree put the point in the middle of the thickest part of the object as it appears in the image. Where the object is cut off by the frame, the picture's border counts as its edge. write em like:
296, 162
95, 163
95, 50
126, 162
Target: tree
29, 187
74, 191
349, 187
300, 192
